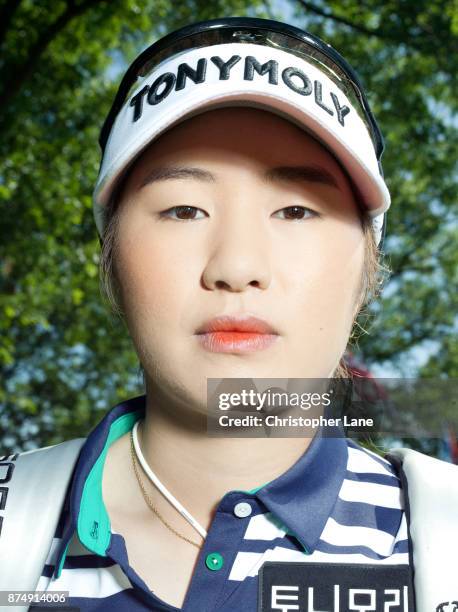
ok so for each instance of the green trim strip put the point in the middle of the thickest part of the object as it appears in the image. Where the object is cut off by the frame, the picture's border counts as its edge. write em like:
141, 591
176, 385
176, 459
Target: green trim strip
59, 571
93, 525
257, 488
94, 529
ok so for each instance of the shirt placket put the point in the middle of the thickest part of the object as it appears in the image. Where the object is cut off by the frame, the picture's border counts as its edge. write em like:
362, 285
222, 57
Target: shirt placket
207, 589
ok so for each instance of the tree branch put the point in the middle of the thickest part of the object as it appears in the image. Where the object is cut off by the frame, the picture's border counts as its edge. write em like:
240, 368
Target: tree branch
318, 11
446, 43
22, 73
6, 16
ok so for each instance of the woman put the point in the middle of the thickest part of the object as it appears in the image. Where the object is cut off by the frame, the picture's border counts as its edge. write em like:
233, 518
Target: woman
240, 205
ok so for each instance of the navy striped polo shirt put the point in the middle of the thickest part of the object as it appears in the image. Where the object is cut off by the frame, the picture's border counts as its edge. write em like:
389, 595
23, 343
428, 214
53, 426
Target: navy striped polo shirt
338, 504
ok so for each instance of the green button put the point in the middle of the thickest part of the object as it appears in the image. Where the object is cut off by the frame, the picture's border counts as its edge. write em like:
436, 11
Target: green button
214, 561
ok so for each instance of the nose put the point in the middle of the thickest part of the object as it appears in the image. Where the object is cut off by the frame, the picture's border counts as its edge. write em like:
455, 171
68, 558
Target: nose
241, 254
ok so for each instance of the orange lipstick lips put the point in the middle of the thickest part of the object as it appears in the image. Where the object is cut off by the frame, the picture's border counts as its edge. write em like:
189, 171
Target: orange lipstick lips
236, 334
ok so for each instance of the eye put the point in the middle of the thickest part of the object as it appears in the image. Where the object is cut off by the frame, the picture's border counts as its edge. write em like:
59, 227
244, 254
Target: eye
183, 213
297, 213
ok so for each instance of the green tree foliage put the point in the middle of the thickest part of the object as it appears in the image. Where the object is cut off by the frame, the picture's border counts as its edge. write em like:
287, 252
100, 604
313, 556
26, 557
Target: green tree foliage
406, 54
63, 359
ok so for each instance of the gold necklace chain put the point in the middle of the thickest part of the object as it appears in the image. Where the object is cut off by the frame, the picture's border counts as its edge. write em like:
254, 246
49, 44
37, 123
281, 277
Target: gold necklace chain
148, 500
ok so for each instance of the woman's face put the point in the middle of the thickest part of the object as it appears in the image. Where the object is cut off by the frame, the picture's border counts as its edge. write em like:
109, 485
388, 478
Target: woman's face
287, 249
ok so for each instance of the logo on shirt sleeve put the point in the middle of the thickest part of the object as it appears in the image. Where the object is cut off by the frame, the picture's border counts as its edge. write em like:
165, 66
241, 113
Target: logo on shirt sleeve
334, 587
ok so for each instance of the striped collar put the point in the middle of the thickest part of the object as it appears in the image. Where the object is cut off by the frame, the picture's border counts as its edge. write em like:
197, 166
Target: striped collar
302, 497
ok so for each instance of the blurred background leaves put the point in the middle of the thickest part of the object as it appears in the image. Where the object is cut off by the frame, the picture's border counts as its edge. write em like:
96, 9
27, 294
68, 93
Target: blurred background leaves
64, 360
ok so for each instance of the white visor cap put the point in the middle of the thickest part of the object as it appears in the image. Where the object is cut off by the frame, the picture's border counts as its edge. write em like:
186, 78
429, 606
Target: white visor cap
243, 74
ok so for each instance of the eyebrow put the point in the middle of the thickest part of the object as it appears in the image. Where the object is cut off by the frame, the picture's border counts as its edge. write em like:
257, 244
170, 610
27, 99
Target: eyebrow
312, 174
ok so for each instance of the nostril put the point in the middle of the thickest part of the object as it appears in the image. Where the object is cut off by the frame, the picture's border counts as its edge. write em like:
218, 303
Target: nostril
222, 285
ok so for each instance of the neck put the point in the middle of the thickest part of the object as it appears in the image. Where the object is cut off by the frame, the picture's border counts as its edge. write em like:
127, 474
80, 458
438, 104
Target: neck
198, 469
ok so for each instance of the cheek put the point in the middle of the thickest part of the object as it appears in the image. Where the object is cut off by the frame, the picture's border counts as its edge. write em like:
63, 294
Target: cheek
152, 276
325, 274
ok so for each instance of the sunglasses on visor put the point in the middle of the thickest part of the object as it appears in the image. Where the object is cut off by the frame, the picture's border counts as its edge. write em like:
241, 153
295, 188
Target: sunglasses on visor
264, 32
